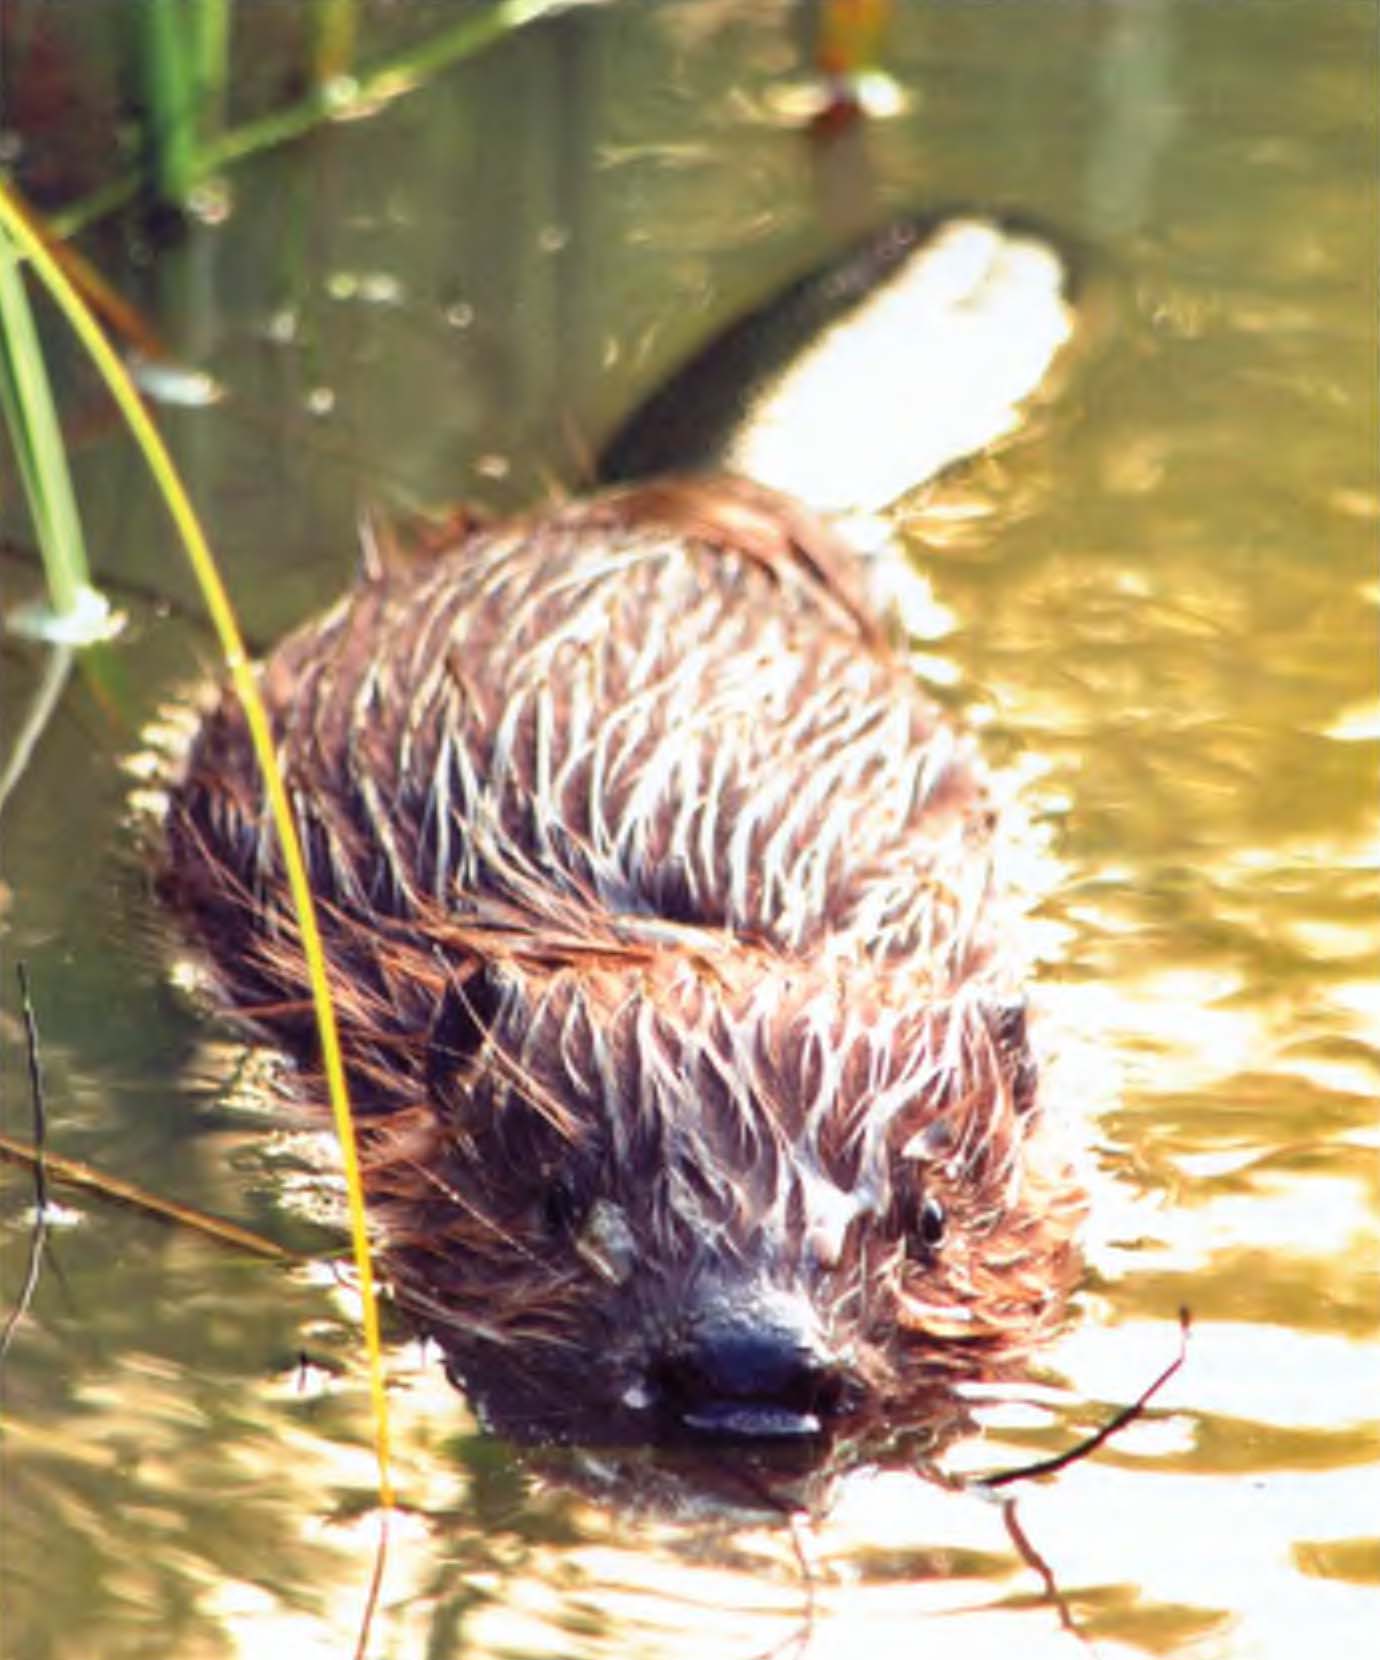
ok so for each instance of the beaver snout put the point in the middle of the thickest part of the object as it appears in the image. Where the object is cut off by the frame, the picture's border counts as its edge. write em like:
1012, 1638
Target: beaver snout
754, 1365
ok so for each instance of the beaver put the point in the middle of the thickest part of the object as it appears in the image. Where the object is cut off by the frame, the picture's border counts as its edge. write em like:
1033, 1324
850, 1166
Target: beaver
679, 985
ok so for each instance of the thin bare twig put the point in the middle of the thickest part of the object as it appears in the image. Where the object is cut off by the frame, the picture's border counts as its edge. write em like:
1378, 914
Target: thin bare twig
1113, 1426
39, 1234
1033, 1560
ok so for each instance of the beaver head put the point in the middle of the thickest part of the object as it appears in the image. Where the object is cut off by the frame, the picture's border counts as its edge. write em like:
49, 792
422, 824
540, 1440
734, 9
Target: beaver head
680, 1000
723, 1195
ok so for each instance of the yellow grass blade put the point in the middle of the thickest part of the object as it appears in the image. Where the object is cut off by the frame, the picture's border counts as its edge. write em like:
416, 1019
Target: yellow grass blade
217, 601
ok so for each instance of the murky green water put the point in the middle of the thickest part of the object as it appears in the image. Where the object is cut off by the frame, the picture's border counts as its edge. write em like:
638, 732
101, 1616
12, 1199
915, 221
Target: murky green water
1165, 594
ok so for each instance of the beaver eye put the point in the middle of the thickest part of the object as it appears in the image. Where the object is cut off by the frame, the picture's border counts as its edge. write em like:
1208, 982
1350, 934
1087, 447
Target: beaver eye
927, 1224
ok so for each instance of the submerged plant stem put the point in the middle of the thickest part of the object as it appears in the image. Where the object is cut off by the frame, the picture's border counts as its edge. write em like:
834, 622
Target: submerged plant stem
35, 723
334, 28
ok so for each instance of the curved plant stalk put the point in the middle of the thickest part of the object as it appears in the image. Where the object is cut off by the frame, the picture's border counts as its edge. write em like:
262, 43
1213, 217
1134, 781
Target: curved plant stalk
116, 312
242, 678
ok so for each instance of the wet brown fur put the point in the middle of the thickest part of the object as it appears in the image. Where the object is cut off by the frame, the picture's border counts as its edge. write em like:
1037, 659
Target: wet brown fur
669, 952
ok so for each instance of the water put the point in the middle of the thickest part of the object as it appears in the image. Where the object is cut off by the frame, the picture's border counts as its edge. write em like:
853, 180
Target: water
1165, 599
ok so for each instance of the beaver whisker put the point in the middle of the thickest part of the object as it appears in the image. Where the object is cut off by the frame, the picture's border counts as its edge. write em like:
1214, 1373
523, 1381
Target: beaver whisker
473, 1327
452, 1194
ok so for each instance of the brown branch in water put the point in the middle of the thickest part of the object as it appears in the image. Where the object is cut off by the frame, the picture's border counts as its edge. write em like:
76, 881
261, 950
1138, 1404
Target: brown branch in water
76, 1174
38, 1237
1037, 1564
987, 1486
1113, 1426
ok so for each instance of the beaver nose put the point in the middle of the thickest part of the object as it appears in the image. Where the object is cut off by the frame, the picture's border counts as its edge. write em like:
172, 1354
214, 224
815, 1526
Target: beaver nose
753, 1367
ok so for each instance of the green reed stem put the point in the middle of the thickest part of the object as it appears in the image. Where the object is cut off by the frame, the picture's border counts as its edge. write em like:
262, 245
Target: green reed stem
26, 401
211, 58
183, 59
335, 99
168, 77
